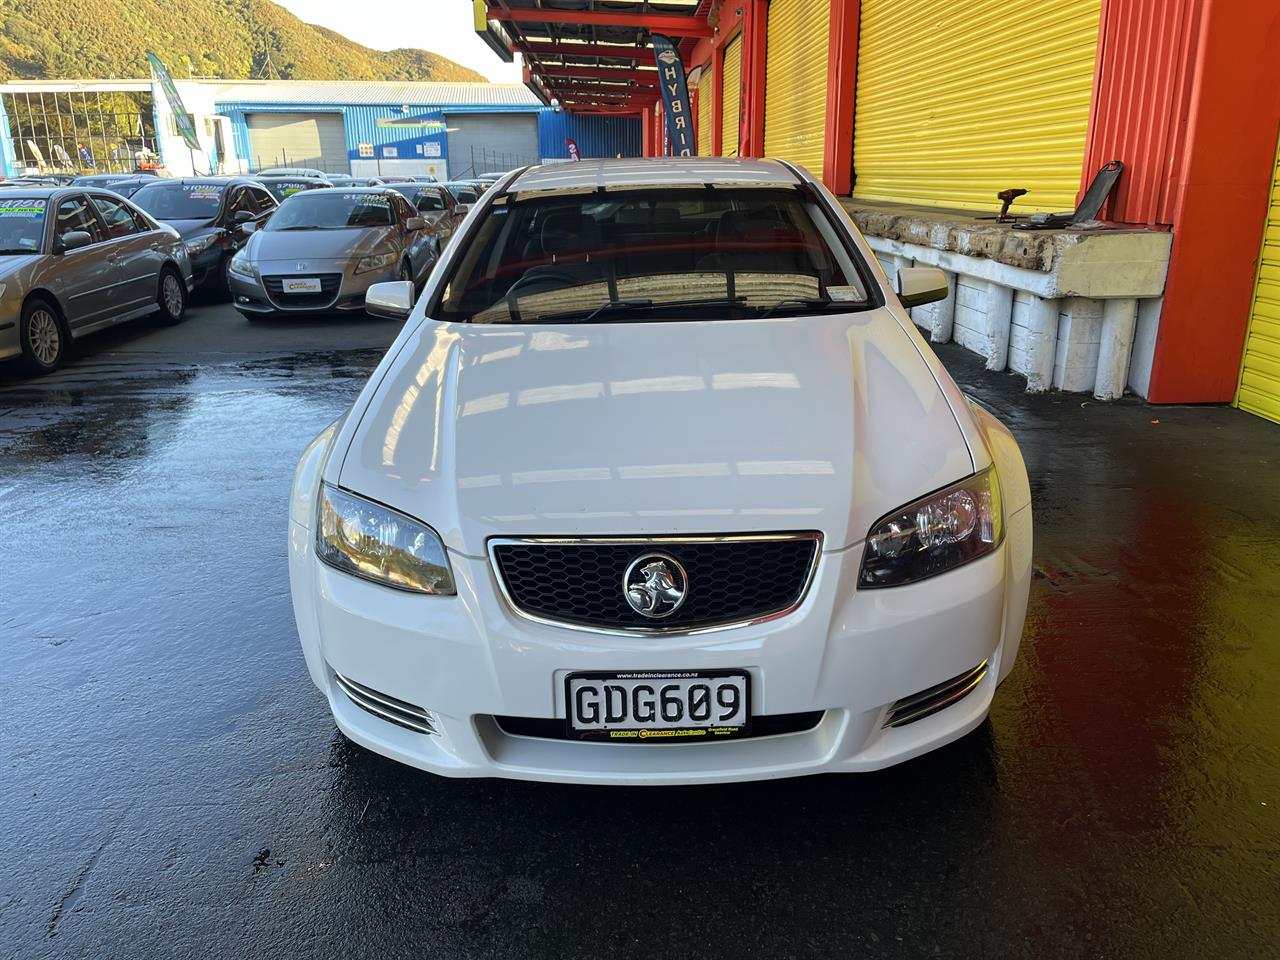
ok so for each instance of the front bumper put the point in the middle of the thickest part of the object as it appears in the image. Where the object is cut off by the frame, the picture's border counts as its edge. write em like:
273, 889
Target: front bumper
344, 290
468, 659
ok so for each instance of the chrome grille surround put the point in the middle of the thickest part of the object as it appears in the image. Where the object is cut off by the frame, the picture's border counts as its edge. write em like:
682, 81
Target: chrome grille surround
929, 701
386, 706
665, 544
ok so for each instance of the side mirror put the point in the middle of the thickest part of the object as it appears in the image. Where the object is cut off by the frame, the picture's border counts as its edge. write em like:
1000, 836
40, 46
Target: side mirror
920, 285
463, 209
74, 240
248, 226
414, 223
242, 216
392, 300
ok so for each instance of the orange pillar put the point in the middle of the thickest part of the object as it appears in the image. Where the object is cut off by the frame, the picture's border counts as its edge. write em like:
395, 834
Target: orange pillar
1184, 94
842, 75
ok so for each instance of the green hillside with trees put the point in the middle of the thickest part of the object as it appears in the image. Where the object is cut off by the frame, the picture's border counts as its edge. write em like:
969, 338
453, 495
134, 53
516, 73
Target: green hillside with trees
236, 39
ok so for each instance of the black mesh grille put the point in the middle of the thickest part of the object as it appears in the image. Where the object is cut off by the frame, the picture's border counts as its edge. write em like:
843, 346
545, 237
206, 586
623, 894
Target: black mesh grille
728, 581
329, 284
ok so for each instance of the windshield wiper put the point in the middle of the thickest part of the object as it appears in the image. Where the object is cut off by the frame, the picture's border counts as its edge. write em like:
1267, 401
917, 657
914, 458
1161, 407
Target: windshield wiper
625, 306
808, 303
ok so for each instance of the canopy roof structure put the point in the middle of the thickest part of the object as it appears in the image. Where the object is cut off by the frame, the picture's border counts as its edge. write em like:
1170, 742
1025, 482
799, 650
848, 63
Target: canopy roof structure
592, 56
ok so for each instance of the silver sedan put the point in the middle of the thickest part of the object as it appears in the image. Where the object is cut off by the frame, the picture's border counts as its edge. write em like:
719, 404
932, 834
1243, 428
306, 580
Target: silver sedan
322, 249
76, 260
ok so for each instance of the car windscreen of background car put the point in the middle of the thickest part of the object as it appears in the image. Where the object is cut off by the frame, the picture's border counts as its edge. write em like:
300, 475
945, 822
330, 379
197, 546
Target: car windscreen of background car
181, 201
317, 210
652, 255
21, 224
287, 188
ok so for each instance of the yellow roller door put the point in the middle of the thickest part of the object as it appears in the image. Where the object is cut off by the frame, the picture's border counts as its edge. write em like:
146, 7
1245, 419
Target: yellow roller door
731, 97
1260, 374
795, 92
959, 99
704, 112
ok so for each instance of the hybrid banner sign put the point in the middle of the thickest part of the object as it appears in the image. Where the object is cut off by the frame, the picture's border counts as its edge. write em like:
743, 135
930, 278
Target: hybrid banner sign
675, 98
180, 115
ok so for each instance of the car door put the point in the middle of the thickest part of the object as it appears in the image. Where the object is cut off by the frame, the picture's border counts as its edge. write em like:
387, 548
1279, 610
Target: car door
87, 279
138, 254
431, 207
419, 243
451, 216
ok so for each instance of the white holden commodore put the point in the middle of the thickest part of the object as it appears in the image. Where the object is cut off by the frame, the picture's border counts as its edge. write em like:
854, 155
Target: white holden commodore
659, 484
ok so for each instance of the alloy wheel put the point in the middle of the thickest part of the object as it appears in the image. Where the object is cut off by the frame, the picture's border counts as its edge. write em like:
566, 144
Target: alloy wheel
44, 337
171, 291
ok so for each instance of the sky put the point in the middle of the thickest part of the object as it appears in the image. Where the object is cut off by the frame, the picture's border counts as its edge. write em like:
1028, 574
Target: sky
440, 26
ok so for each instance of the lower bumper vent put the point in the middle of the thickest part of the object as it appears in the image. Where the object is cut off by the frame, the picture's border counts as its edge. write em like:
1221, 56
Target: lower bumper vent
387, 707
769, 725
930, 701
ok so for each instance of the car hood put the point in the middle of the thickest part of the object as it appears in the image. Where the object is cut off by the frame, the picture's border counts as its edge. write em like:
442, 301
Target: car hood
812, 423
315, 244
12, 266
189, 228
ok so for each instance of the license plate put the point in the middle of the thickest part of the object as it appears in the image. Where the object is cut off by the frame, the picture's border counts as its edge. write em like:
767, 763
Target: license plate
659, 706
302, 285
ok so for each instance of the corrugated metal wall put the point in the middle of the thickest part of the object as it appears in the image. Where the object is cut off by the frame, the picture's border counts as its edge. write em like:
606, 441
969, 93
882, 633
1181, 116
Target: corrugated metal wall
1141, 101
795, 101
1259, 390
731, 97
706, 111
597, 135
959, 99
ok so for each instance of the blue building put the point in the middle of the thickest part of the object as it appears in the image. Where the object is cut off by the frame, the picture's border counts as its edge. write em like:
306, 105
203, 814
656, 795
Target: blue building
370, 128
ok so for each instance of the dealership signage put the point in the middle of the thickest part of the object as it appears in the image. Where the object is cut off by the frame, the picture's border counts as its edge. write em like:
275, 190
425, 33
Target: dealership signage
675, 97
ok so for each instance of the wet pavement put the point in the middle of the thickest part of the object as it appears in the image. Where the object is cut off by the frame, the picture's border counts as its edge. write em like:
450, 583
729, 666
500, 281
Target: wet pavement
173, 785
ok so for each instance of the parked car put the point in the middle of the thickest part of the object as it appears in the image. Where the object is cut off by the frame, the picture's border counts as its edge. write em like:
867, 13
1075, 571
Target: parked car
436, 205
343, 180
125, 184
73, 261
384, 181
660, 484
292, 172
211, 214
464, 191
322, 250
283, 187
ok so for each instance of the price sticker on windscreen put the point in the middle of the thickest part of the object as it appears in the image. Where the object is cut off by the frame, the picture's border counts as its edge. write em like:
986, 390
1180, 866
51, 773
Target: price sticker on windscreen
24, 207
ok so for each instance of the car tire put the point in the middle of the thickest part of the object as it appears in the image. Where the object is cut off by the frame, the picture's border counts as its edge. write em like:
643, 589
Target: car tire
44, 336
222, 282
171, 297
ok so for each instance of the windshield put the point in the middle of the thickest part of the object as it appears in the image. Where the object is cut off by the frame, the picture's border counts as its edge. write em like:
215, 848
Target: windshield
21, 225
181, 201
325, 210
652, 254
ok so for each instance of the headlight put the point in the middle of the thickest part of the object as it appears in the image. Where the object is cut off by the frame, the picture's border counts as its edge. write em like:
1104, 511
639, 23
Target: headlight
200, 244
375, 262
367, 540
241, 266
938, 533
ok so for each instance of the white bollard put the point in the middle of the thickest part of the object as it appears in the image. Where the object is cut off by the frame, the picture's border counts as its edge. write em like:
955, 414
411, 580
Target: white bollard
1114, 346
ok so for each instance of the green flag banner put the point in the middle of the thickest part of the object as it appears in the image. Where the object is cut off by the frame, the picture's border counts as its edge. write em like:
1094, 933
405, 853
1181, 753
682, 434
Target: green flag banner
181, 117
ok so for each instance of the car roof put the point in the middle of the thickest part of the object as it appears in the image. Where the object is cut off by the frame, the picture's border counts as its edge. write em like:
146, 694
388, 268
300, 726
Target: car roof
40, 191
652, 172
371, 191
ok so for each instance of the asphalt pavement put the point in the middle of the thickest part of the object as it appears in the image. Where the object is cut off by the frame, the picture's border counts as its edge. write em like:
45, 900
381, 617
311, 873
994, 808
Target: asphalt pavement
173, 785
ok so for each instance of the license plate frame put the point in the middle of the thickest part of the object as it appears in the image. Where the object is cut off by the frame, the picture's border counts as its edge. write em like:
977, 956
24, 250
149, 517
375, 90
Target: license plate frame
302, 285
637, 734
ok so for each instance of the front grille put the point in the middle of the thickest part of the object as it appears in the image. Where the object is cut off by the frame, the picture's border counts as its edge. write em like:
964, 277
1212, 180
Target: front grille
769, 725
930, 701
386, 706
329, 285
730, 580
